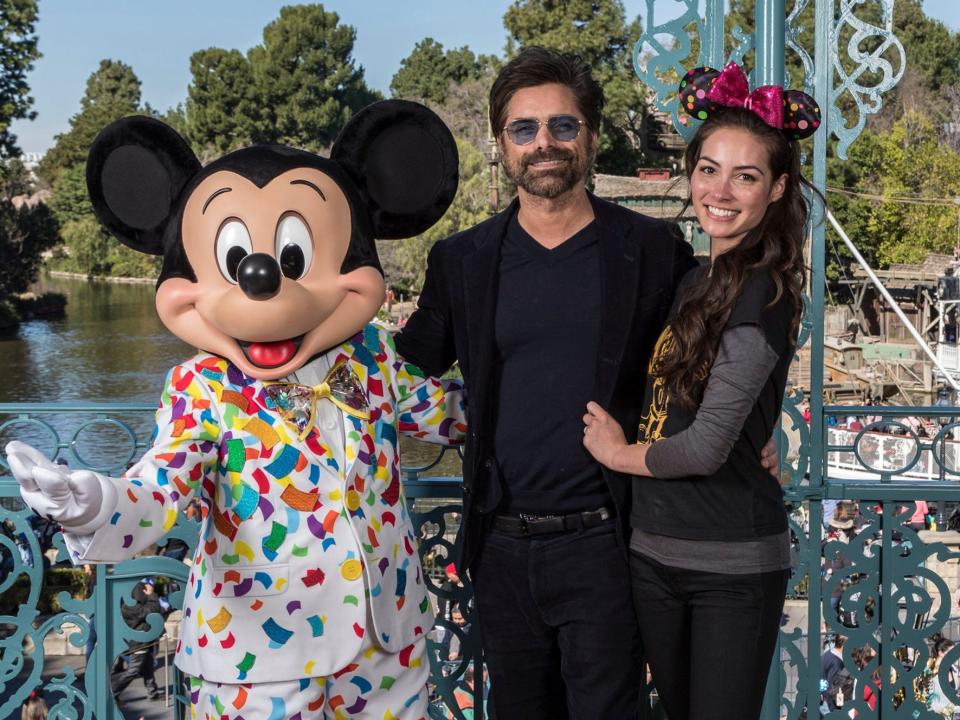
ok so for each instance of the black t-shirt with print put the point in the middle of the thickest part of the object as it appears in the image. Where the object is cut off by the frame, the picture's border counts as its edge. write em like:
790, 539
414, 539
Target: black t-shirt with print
741, 500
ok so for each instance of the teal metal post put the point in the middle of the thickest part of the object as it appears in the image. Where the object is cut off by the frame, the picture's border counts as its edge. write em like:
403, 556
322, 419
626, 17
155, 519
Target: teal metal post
769, 40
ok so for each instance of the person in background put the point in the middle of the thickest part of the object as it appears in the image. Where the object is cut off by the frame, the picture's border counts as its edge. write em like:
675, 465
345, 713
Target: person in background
34, 707
140, 654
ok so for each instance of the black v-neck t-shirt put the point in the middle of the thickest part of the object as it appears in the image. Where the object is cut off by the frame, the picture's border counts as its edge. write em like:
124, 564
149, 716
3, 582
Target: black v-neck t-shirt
547, 330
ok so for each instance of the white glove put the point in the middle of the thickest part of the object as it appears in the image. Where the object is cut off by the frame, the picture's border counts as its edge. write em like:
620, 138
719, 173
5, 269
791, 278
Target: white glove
82, 501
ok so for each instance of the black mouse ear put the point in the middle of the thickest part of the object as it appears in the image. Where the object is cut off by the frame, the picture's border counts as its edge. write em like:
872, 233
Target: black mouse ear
403, 159
136, 169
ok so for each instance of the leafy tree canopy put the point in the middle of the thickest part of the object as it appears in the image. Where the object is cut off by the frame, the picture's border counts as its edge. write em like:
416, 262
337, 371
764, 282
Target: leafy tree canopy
18, 51
898, 173
113, 91
428, 71
223, 110
307, 83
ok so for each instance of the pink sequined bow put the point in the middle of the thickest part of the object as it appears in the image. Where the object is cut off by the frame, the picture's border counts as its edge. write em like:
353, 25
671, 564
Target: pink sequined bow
731, 89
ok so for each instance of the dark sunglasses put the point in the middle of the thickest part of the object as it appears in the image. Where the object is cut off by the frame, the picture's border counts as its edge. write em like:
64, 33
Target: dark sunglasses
561, 127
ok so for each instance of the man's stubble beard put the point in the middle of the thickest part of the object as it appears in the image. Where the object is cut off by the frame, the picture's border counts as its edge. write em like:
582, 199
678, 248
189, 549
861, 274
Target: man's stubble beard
553, 183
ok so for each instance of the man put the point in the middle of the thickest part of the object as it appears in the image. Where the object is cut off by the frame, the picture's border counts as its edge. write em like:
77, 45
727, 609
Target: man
554, 302
832, 681
141, 661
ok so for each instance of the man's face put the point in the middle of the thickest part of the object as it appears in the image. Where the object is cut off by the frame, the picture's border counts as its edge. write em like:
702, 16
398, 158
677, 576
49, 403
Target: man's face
546, 167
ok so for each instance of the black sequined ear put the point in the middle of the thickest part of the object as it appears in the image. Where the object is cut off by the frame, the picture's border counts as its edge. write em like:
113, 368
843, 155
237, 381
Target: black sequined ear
693, 92
801, 115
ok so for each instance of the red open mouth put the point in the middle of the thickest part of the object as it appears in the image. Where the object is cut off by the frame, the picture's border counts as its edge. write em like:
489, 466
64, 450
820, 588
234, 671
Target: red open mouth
270, 354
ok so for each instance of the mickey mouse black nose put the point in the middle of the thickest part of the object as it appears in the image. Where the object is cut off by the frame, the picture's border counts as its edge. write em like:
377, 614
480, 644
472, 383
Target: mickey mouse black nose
259, 276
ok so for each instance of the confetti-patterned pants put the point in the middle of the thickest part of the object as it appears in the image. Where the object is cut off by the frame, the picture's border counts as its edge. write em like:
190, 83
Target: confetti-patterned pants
377, 685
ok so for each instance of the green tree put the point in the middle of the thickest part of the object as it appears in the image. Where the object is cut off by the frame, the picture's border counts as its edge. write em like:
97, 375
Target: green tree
470, 206
14, 179
428, 71
69, 199
307, 82
223, 110
113, 91
18, 51
89, 246
25, 233
898, 173
90, 249
596, 30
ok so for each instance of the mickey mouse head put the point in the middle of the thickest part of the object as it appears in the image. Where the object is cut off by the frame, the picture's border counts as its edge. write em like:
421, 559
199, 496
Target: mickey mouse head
268, 252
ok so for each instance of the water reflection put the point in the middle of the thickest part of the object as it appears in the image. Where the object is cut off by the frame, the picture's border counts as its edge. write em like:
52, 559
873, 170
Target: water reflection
111, 347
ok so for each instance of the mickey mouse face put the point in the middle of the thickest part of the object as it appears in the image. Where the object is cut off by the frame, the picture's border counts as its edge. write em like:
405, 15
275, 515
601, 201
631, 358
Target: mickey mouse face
269, 292
268, 252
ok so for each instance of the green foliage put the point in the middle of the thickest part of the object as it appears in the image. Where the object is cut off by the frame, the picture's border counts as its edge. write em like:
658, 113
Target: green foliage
907, 162
55, 580
306, 80
18, 51
113, 91
89, 247
222, 106
68, 198
25, 233
428, 71
470, 206
14, 179
597, 31
298, 87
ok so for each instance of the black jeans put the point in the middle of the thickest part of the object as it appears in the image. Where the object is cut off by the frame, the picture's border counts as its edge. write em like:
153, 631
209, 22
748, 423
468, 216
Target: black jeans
558, 626
709, 637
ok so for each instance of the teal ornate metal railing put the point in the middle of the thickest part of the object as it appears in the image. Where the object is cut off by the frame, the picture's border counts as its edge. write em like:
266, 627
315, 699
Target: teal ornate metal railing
47, 609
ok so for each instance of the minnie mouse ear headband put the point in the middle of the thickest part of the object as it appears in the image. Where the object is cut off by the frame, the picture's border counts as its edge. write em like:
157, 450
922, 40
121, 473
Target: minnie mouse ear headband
704, 90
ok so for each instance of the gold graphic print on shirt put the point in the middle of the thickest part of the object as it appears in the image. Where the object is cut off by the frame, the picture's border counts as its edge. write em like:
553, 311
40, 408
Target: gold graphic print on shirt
652, 421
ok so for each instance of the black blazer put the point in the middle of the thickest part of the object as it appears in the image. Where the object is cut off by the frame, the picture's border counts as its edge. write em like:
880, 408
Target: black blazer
642, 261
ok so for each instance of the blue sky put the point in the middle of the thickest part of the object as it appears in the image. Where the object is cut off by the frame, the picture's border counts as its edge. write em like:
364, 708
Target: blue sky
157, 39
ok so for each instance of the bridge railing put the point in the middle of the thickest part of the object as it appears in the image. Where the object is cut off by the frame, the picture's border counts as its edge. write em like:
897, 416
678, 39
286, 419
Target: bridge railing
49, 612
862, 569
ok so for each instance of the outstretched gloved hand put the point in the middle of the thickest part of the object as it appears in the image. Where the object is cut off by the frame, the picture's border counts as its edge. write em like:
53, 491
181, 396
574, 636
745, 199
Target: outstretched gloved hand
81, 500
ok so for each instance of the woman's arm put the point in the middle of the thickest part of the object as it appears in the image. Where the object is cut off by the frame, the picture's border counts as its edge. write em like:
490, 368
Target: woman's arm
744, 362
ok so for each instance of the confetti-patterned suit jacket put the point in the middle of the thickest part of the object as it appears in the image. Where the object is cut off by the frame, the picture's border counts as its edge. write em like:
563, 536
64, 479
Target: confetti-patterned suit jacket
291, 544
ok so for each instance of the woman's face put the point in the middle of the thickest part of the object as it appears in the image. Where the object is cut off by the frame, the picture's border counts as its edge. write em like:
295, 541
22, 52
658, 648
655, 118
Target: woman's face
731, 186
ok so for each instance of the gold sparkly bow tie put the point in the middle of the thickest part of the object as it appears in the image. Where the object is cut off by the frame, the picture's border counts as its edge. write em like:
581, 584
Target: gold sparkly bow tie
297, 404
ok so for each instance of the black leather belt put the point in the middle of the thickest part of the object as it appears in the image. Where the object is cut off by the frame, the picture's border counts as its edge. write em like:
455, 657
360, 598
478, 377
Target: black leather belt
525, 524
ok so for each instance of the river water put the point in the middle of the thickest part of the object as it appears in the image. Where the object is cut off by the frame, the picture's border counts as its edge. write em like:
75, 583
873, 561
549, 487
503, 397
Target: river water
110, 348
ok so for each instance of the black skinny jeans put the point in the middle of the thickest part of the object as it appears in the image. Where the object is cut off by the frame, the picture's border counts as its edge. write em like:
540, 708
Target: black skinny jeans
709, 638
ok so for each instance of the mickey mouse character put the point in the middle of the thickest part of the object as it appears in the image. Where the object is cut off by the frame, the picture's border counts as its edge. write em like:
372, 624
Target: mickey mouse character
306, 597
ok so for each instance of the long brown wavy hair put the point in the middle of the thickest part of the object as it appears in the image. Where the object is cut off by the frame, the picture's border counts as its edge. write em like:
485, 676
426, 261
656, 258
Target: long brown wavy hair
774, 246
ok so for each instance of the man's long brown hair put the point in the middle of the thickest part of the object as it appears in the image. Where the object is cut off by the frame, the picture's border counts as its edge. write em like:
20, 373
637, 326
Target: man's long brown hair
774, 246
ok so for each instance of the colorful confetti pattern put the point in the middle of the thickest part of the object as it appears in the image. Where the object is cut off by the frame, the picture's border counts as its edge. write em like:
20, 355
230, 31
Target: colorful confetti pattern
376, 684
294, 545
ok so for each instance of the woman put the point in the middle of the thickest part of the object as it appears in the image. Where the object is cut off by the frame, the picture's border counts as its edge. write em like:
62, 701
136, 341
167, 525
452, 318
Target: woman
710, 548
